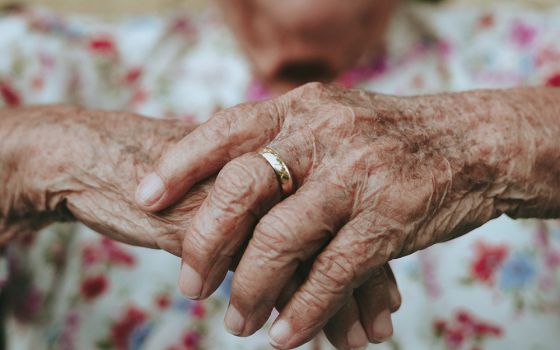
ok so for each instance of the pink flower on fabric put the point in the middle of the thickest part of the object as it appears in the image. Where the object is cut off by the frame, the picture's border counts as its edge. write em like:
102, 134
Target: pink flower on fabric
116, 253
191, 340
454, 338
103, 45
107, 250
487, 329
133, 75
11, 97
132, 318
91, 254
464, 329
439, 327
486, 21
445, 48
93, 287
523, 34
163, 301
138, 96
487, 261
198, 309
464, 317
554, 80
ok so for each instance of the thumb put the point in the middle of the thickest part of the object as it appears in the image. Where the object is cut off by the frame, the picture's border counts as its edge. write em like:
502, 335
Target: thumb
202, 153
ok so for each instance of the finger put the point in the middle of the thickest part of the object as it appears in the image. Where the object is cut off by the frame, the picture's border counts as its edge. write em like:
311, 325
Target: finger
290, 233
343, 265
374, 302
243, 190
344, 330
394, 292
246, 188
207, 149
377, 295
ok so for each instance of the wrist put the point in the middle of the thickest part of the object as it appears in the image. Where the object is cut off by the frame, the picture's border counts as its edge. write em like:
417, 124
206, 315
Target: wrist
18, 212
535, 158
505, 147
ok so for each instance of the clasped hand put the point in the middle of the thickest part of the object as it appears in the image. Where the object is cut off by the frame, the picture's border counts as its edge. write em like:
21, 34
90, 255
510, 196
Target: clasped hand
377, 177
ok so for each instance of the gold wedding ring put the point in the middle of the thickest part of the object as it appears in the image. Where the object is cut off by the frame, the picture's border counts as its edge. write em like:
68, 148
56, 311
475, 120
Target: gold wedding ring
280, 168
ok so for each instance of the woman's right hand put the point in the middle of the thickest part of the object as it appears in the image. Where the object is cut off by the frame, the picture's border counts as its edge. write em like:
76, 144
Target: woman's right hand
66, 163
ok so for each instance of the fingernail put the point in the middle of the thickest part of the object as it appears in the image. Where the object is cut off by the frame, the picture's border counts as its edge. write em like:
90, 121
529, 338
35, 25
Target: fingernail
280, 333
357, 337
150, 189
382, 326
190, 282
235, 323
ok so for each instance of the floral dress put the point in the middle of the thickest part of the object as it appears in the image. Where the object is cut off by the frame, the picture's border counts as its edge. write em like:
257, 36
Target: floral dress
67, 287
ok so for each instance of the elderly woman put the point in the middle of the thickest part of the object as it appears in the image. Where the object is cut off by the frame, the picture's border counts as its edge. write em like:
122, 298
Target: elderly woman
317, 189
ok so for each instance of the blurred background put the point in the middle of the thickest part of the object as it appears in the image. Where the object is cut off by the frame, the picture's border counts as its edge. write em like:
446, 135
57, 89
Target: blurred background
128, 7
112, 7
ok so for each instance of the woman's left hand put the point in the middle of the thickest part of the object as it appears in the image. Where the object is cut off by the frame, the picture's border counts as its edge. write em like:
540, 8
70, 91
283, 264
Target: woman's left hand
377, 177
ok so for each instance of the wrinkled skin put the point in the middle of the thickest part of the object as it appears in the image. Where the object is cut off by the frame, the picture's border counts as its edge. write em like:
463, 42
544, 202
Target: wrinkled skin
378, 177
292, 42
65, 163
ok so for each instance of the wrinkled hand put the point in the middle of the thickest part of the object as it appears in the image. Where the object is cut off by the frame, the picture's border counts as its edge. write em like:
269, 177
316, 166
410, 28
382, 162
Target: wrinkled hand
90, 163
378, 177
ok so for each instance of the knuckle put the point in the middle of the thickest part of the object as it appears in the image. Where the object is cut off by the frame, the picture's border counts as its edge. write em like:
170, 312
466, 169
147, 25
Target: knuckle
242, 290
236, 180
218, 127
311, 300
196, 245
334, 274
314, 87
337, 118
345, 115
224, 200
373, 247
318, 305
273, 234
226, 124
249, 294
238, 123
312, 90
269, 115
